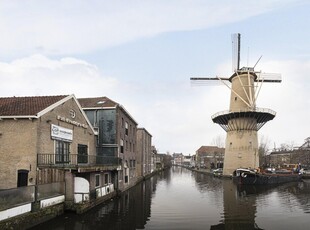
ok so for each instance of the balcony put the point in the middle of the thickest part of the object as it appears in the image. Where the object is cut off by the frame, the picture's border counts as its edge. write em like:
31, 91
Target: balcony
82, 163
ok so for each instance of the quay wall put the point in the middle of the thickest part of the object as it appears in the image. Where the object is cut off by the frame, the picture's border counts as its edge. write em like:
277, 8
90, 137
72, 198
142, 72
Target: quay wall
41, 213
31, 219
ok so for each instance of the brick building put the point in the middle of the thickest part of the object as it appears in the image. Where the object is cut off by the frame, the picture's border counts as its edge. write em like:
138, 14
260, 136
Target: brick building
117, 135
145, 164
210, 157
49, 139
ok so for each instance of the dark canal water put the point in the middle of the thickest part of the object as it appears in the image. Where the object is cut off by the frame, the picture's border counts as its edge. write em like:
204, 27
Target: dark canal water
182, 199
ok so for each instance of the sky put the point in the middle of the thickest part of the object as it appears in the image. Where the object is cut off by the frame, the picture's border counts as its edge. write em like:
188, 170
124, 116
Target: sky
142, 53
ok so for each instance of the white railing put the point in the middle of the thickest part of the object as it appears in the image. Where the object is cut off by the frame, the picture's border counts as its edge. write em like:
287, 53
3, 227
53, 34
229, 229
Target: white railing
259, 110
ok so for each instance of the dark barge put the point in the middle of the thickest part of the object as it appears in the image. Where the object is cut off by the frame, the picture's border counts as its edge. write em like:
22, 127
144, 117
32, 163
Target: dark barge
250, 177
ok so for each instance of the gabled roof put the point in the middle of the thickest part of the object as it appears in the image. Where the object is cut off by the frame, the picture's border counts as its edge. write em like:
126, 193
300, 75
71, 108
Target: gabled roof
101, 103
34, 107
210, 149
97, 102
26, 106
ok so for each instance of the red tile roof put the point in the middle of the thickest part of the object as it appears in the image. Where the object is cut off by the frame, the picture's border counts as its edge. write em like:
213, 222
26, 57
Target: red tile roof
210, 149
97, 102
26, 106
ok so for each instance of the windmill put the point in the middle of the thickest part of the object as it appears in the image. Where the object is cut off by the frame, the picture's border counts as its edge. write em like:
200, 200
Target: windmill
243, 119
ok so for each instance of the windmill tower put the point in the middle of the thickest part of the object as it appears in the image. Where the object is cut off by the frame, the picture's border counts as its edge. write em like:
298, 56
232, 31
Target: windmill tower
243, 119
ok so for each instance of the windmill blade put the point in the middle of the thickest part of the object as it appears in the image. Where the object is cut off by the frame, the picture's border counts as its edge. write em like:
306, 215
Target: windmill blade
235, 38
268, 77
207, 81
243, 87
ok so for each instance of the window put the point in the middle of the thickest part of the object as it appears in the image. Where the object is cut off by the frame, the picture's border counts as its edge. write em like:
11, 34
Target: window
126, 145
62, 152
120, 175
97, 178
126, 128
122, 145
82, 154
106, 178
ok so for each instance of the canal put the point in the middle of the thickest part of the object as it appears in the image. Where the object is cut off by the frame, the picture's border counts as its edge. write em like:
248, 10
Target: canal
182, 199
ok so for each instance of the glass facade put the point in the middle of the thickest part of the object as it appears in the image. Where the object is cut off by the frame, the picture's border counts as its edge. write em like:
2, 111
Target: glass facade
105, 120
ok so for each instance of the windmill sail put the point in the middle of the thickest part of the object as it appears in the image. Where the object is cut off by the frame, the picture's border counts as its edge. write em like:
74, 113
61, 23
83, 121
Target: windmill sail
235, 38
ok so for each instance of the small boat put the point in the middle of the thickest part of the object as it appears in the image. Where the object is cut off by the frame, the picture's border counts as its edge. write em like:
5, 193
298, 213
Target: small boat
251, 177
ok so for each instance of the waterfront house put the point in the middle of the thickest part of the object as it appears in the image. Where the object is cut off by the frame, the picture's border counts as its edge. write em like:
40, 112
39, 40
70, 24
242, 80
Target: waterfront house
297, 155
48, 146
210, 157
145, 165
117, 134
177, 158
186, 160
162, 161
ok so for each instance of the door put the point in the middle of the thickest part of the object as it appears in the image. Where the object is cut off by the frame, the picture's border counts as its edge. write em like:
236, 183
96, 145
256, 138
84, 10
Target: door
22, 177
82, 154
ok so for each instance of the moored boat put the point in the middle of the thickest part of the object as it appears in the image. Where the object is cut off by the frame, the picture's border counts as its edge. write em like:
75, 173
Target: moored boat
252, 177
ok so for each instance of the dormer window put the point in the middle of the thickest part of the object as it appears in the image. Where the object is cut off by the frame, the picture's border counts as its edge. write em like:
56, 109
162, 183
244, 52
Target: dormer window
100, 102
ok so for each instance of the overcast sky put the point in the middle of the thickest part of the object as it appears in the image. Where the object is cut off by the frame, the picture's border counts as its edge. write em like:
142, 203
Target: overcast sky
142, 54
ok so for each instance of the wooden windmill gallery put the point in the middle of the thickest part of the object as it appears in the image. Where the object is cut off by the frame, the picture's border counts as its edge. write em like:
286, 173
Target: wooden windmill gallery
243, 119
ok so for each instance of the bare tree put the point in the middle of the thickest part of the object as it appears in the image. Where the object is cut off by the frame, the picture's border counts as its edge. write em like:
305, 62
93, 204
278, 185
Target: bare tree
263, 147
219, 141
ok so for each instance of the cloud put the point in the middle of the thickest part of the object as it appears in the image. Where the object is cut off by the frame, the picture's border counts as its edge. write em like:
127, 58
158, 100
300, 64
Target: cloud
180, 120
290, 99
39, 75
71, 27
178, 117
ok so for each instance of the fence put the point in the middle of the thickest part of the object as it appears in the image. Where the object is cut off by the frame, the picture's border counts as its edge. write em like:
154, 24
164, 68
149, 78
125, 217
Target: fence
17, 196
10, 198
50, 190
73, 160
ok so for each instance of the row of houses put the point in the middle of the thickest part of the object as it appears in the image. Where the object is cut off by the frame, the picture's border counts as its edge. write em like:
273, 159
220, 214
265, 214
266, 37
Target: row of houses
212, 157
298, 155
71, 151
206, 157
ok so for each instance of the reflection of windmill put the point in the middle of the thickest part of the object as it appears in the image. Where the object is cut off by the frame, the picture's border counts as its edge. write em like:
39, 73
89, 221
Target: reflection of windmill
243, 119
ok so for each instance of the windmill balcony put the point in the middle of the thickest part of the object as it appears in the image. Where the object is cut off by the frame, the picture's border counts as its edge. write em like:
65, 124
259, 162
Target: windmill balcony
260, 115
77, 161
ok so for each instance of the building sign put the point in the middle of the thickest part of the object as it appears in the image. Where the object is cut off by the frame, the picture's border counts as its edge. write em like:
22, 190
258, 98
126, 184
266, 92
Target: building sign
60, 133
67, 120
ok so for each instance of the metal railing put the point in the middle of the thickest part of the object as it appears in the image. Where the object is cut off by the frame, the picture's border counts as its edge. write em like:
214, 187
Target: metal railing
260, 110
73, 160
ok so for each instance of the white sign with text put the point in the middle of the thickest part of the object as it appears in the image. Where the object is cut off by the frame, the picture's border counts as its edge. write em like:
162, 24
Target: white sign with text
60, 133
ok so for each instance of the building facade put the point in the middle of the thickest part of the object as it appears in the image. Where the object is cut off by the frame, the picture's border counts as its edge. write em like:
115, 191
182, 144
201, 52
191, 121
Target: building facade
144, 153
117, 135
48, 139
177, 158
210, 157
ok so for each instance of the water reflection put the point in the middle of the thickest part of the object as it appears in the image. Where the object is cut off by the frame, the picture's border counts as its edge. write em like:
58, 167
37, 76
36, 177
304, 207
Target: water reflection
182, 199
239, 207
